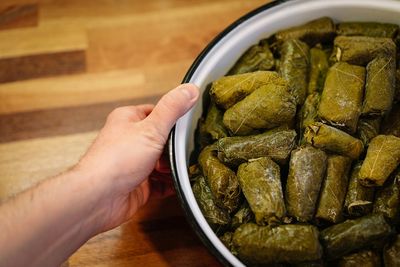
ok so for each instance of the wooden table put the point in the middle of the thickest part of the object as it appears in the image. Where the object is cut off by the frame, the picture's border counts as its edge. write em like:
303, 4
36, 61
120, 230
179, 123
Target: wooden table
64, 65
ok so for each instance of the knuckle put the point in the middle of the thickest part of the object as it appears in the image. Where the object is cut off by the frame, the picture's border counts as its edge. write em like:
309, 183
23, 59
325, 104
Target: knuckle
153, 134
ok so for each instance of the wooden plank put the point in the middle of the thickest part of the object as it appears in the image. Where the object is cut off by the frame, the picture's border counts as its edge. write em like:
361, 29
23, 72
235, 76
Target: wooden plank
18, 16
61, 121
44, 65
85, 89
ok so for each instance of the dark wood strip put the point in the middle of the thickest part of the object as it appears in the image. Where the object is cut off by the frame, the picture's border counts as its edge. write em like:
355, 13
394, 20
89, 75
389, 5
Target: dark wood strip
44, 65
19, 16
61, 121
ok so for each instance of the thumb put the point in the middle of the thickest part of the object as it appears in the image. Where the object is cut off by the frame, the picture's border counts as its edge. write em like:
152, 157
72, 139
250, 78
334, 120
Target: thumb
172, 106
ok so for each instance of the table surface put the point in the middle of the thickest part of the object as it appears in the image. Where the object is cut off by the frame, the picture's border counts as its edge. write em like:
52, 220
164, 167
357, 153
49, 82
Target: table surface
64, 65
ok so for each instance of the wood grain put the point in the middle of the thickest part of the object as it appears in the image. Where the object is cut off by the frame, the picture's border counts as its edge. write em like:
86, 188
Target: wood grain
18, 16
64, 64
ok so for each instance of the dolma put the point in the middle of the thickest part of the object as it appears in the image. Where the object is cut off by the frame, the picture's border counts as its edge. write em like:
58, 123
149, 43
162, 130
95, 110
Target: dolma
223, 182
306, 171
321, 30
318, 68
257, 57
333, 140
341, 99
294, 67
391, 125
243, 215
213, 123
359, 199
351, 235
286, 243
372, 29
383, 157
260, 181
275, 143
368, 128
308, 113
267, 107
364, 258
391, 253
215, 216
333, 191
228, 90
226, 239
380, 86
360, 50
387, 199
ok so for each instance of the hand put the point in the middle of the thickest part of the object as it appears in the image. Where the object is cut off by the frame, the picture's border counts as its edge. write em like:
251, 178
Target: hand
128, 149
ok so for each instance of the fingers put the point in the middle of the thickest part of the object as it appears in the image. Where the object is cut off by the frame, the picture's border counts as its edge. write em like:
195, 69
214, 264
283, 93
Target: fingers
131, 113
172, 106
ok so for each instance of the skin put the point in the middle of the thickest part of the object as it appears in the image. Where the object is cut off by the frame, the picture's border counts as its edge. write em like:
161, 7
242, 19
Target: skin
44, 225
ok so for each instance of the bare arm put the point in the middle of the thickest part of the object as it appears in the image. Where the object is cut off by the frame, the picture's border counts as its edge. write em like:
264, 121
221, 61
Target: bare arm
44, 225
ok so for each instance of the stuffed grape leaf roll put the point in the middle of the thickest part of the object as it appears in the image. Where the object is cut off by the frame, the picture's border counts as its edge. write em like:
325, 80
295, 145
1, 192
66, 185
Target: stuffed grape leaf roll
228, 90
380, 85
276, 143
257, 57
364, 258
213, 123
333, 140
383, 157
243, 215
306, 171
286, 243
267, 107
333, 191
217, 217
372, 29
387, 199
321, 30
260, 181
359, 198
351, 235
294, 67
360, 50
308, 113
391, 253
223, 182
341, 99
318, 68
368, 128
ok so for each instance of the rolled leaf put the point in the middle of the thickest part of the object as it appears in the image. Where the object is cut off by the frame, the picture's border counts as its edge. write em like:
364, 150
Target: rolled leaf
359, 199
306, 171
267, 107
333, 190
380, 85
387, 199
360, 50
257, 57
368, 128
223, 182
260, 181
365, 258
333, 140
341, 99
391, 125
213, 123
228, 90
351, 235
321, 30
383, 157
275, 143
294, 67
318, 68
372, 29
226, 239
215, 216
391, 253
308, 113
286, 243
243, 215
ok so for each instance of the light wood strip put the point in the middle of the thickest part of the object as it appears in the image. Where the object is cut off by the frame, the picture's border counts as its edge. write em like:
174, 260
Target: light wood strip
18, 16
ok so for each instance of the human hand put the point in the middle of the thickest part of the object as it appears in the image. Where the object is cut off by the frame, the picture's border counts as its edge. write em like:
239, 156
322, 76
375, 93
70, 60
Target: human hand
128, 149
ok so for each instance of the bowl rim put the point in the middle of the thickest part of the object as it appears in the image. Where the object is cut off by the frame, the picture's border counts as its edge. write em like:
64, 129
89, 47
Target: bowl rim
171, 140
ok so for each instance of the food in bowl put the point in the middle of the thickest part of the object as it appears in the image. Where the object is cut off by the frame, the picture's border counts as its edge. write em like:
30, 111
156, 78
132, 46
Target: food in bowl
295, 141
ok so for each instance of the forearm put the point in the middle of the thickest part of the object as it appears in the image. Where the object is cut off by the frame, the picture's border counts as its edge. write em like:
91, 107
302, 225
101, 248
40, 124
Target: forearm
46, 224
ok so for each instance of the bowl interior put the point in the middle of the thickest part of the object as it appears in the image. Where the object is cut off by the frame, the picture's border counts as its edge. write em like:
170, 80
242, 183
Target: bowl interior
220, 56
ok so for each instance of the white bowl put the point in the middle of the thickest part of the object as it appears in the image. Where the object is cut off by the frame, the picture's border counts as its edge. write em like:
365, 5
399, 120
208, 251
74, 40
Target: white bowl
220, 55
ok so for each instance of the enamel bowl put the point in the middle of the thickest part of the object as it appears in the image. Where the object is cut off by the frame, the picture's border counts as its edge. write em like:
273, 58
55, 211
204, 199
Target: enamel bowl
220, 55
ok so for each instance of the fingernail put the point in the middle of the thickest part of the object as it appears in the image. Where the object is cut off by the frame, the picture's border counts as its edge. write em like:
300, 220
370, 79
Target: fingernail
189, 90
